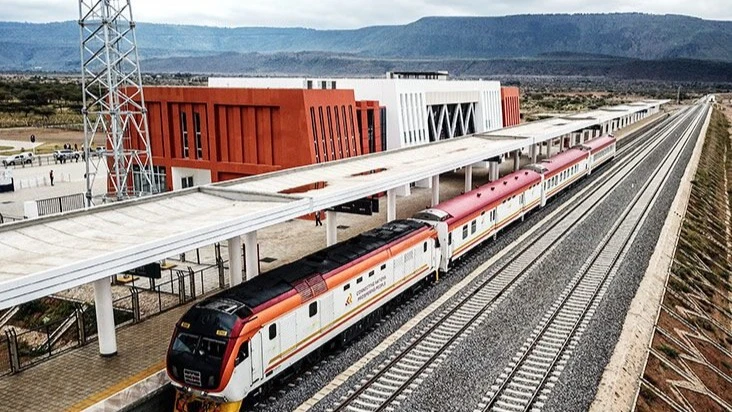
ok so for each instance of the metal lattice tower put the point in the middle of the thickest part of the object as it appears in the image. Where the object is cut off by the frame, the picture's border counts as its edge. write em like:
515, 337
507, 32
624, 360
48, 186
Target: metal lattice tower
114, 106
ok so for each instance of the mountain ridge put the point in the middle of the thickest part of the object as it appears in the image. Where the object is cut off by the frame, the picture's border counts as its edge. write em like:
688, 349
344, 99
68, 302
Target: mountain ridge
54, 46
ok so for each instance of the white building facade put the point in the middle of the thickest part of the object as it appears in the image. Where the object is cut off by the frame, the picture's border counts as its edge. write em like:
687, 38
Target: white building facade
418, 110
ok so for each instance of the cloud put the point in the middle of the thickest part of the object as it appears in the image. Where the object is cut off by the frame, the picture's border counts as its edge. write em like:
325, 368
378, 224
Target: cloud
333, 14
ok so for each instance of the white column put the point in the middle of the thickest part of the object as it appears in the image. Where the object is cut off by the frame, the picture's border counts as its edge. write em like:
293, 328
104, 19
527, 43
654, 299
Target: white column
493, 172
391, 205
435, 190
234, 246
403, 191
331, 225
424, 183
533, 152
468, 178
516, 160
251, 255
105, 317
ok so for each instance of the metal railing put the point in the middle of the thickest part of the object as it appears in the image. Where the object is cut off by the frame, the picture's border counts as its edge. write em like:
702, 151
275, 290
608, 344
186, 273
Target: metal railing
60, 204
22, 348
5, 218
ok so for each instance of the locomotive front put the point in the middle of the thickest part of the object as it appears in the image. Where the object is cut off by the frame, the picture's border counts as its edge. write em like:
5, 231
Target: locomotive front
208, 358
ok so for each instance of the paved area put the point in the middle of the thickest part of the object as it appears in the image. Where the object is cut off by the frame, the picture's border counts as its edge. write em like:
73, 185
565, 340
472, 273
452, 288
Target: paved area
80, 379
68, 179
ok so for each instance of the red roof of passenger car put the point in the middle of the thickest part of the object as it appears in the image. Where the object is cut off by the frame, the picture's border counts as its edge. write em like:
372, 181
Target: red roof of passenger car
599, 143
482, 197
563, 160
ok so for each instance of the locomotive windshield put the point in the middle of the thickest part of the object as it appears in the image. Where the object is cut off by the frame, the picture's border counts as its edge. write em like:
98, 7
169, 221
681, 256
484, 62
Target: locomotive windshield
199, 346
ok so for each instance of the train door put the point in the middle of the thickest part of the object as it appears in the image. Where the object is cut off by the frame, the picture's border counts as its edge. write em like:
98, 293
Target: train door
288, 333
308, 321
256, 356
398, 267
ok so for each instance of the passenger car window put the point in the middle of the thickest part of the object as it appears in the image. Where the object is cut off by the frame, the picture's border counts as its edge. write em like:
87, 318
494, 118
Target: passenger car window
465, 231
272, 331
473, 226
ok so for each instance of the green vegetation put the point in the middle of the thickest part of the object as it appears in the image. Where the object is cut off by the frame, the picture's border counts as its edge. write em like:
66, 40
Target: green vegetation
42, 311
39, 101
669, 351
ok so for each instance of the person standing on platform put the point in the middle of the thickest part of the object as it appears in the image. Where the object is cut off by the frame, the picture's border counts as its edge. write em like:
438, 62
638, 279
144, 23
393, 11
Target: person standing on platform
317, 219
50, 176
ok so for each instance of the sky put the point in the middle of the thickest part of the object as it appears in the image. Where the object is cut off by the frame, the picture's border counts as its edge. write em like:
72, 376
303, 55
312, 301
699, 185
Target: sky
344, 14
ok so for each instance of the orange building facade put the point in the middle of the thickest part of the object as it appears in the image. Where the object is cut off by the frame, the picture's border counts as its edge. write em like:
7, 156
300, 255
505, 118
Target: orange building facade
510, 106
200, 135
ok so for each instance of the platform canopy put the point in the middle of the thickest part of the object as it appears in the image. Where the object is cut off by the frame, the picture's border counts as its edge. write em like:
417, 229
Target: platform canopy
560, 125
43, 256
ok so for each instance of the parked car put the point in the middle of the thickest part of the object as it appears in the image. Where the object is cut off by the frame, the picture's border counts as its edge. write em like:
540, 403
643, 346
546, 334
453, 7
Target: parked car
18, 159
65, 154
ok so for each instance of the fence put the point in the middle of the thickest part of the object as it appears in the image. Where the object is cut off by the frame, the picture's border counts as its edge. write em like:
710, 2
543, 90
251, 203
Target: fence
147, 297
60, 204
5, 218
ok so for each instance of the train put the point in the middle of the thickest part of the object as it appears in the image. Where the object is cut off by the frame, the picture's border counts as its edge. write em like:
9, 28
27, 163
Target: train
235, 342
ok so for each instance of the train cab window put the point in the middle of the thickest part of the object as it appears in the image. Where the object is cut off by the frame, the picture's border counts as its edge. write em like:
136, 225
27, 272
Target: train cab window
371, 273
313, 309
186, 343
424, 247
243, 352
212, 348
345, 288
359, 280
473, 226
272, 331
465, 231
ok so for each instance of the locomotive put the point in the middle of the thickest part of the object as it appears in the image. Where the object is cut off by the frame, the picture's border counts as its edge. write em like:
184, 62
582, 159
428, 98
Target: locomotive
231, 344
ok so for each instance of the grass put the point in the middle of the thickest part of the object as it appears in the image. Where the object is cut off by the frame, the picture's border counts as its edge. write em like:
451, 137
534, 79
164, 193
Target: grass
46, 148
669, 351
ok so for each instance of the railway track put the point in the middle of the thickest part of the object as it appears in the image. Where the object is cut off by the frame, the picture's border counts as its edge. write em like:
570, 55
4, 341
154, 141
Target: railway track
526, 383
394, 379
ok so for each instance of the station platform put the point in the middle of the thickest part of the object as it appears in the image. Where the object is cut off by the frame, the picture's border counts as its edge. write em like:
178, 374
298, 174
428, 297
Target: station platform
82, 380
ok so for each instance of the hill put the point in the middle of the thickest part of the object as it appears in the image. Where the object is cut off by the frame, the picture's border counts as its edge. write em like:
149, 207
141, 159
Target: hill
54, 46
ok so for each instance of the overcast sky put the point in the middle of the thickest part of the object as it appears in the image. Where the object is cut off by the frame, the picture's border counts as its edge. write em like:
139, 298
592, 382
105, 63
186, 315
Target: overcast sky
332, 14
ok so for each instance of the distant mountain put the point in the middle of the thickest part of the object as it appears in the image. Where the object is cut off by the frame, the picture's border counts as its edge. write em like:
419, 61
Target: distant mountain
330, 64
54, 46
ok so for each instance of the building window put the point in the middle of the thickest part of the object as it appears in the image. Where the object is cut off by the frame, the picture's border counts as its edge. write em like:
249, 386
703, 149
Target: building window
313, 309
353, 132
186, 182
370, 125
315, 134
330, 134
322, 133
141, 184
383, 127
338, 132
184, 133
197, 131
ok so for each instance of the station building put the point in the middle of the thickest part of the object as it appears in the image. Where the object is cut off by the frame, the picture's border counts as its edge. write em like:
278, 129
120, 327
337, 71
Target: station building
419, 107
200, 135
510, 106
